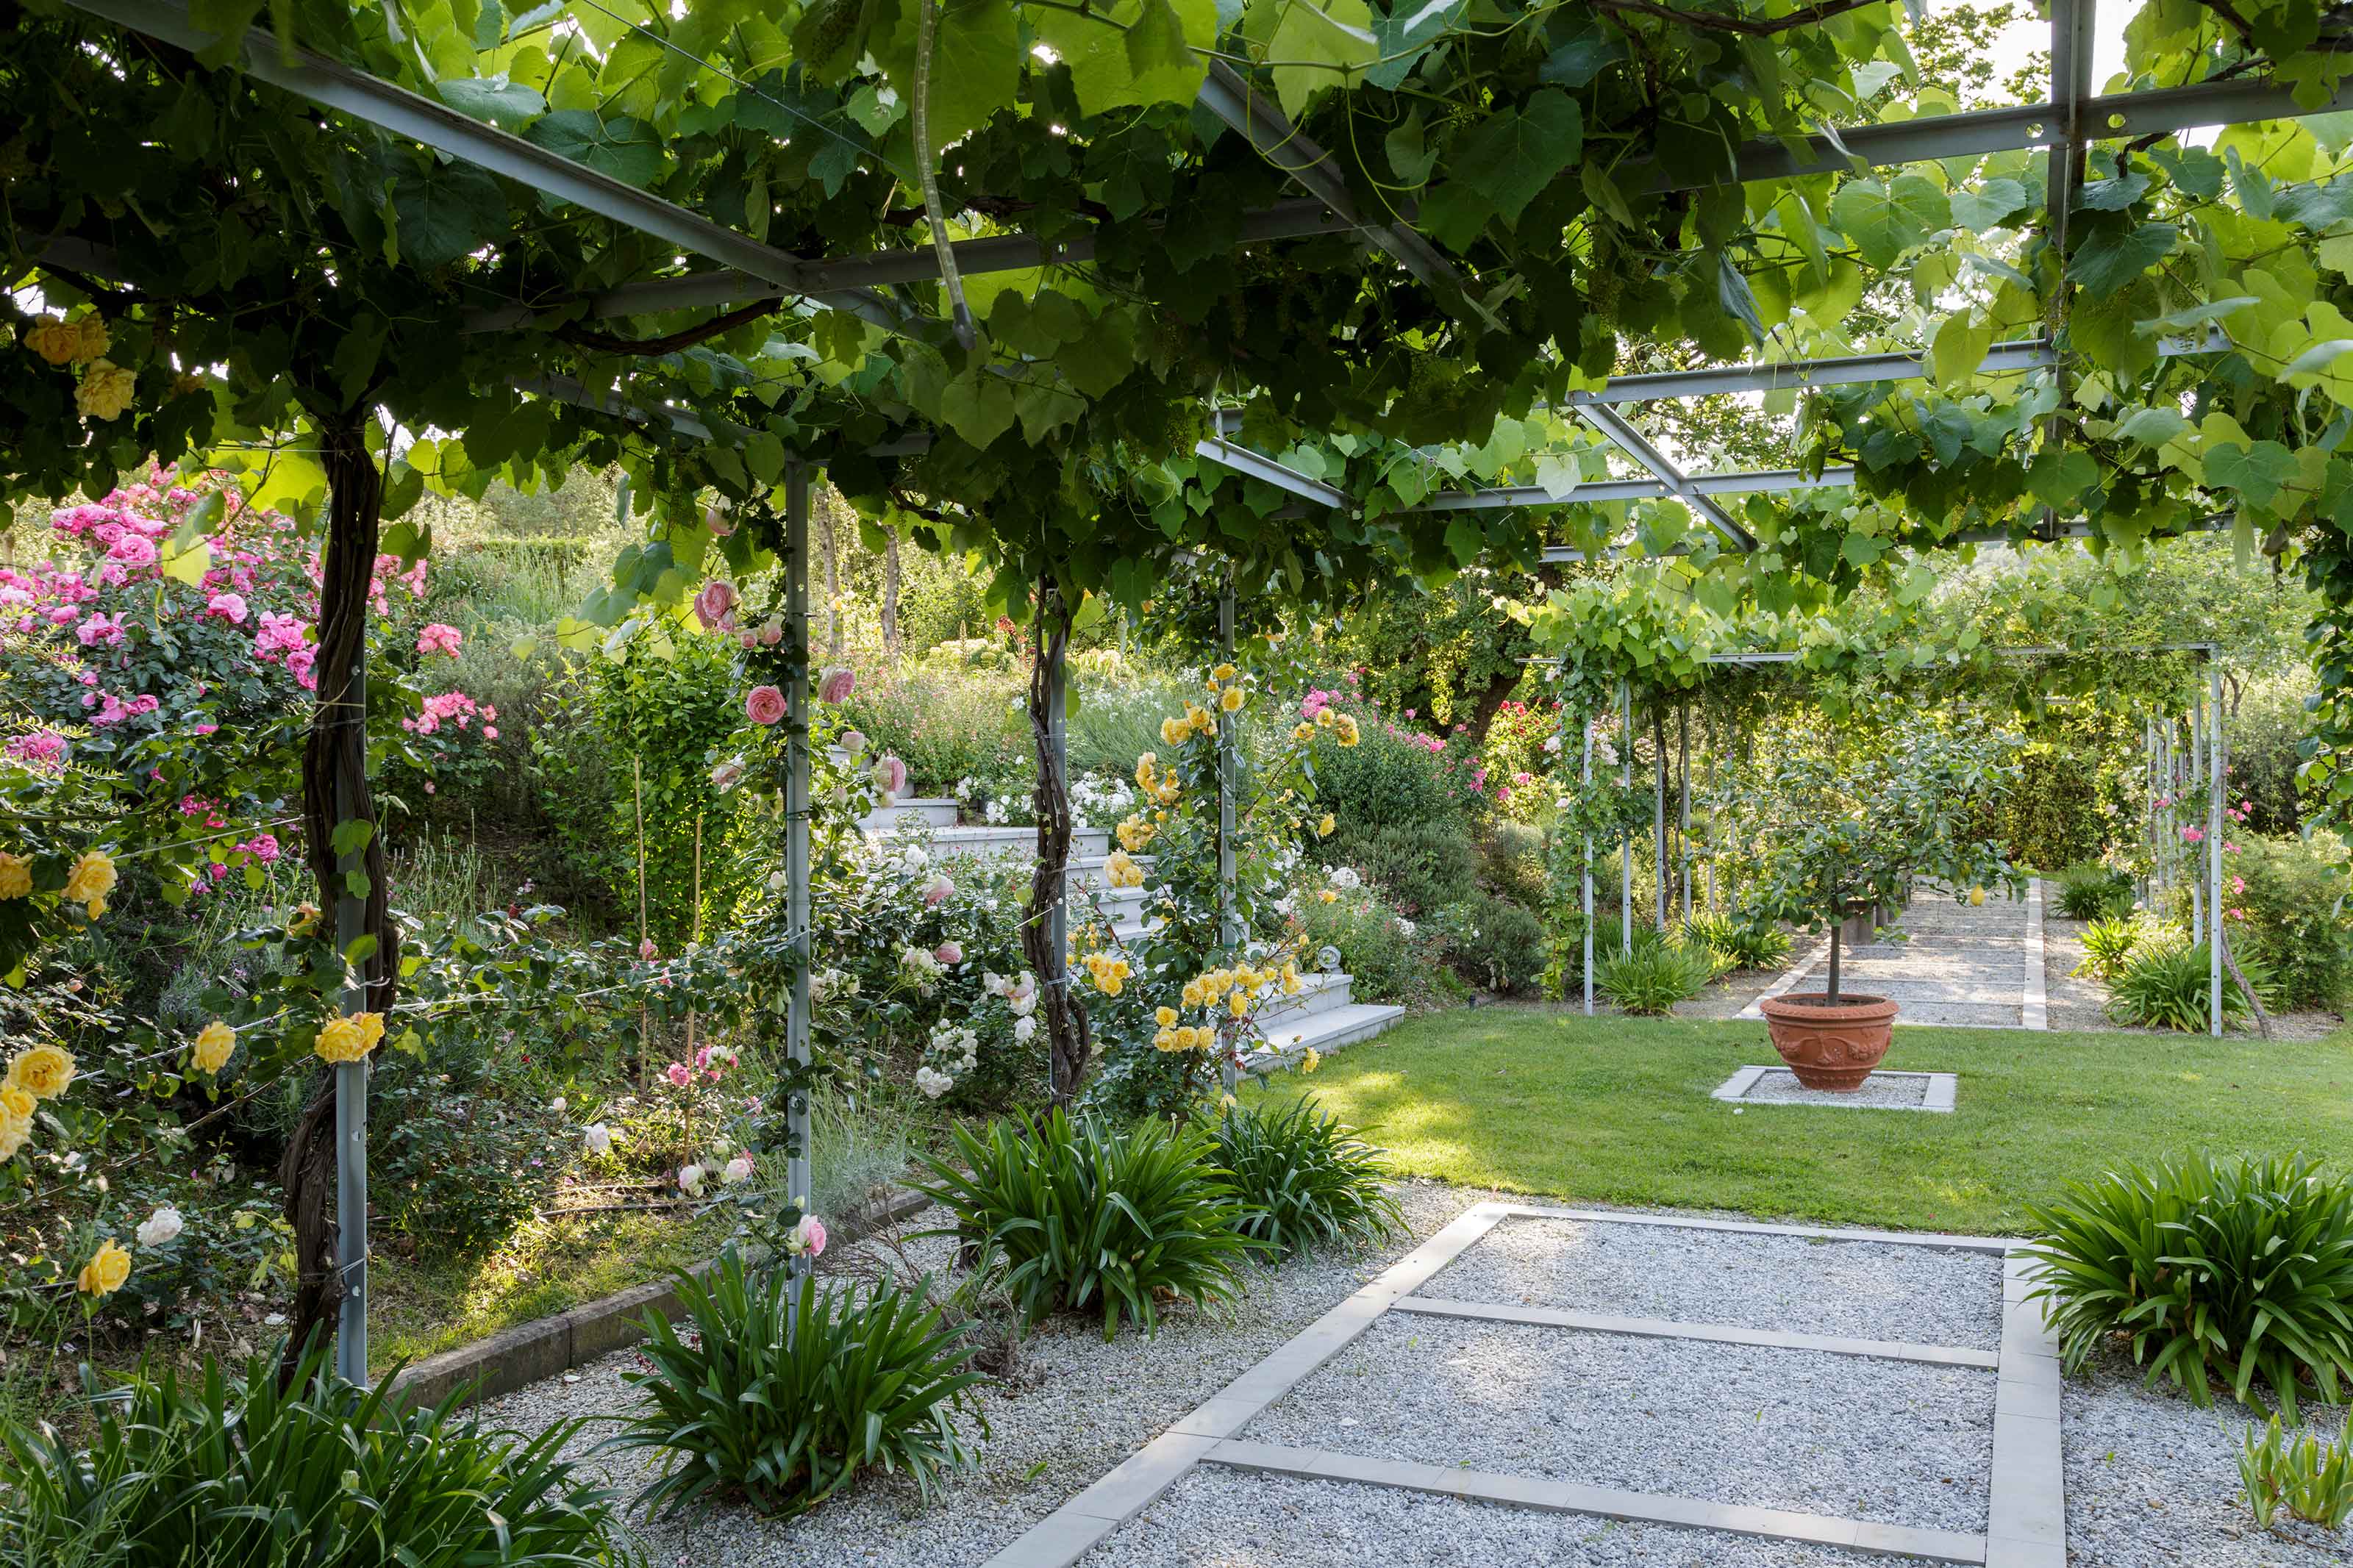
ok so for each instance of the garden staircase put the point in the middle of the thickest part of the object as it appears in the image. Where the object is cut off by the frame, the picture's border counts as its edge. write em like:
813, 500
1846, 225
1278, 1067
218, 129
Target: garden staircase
1323, 1017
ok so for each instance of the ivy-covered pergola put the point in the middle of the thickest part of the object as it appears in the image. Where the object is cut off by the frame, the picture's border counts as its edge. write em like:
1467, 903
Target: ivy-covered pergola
1232, 320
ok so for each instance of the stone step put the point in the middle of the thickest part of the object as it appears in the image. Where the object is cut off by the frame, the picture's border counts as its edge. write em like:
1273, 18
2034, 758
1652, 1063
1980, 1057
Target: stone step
1317, 993
1323, 1033
932, 811
1086, 843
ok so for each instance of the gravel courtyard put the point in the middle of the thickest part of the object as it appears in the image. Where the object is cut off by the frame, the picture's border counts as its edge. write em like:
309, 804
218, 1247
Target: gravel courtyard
1904, 1445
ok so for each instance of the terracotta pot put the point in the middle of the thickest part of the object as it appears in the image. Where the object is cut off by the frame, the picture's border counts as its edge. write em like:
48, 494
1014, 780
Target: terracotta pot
1830, 1048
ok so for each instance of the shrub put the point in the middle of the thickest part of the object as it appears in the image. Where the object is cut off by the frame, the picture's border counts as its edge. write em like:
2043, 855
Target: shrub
1396, 777
1512, 863
1420, 867
227, 1471
1495, 943
2091, 891
2290, 890
1389, 957
2058, 811
1083, 1218
2213, 1271
1654, 975
2314, 1477
2108, 944
1307, 1180
1742, 943
786, 1419
2168, 985
943, 725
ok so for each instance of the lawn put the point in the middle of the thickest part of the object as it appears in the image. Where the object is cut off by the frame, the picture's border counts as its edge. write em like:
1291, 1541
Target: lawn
1616, 1111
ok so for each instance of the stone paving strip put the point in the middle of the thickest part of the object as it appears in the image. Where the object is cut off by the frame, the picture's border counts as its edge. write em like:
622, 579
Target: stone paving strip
2009, 1493
1960, 967
1883, 1090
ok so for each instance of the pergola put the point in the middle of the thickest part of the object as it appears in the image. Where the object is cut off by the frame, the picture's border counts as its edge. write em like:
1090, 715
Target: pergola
745, 269
2179, 751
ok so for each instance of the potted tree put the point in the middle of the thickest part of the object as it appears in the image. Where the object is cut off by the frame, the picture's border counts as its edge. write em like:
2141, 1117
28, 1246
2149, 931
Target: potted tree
1846, 827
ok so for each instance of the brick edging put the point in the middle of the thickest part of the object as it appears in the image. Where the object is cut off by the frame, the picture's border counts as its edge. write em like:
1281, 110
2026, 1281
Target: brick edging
544, 1347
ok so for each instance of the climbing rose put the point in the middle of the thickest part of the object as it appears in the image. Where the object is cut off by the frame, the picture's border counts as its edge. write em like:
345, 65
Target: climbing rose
680, 1075
438, 638
598, 1138
890, 776
808, 1237
853, 742
936, 893
105, 391
108, 1268
836, 684
715, 605
231, 608
950, 953
763, 705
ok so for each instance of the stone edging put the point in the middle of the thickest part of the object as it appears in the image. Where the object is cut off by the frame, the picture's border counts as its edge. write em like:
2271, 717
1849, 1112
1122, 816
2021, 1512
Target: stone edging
545, 1347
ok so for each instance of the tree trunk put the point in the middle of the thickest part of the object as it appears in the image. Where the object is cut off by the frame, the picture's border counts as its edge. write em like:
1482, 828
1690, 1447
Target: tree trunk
890, 599
1840, 921
336, 754
1068, 1036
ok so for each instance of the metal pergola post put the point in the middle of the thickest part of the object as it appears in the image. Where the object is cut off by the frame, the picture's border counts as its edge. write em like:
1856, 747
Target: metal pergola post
1229, 760
796, 837
1584, 778
2197, 770
1683, 832
351, 1077
2218, 775
1626, 842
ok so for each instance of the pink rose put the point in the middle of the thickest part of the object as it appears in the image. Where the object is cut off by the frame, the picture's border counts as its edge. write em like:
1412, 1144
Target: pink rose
890, 774
715, 605
937, 892
490, 731
646, 950
853, 740
836, 684
231, 608
715, 518
438, 638
680, 1075
772, 632
763, 705
948, 953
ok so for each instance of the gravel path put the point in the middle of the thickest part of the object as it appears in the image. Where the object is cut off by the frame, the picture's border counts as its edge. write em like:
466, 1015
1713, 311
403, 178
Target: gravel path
1880, 1440
1084, 1406
2153, 1482
1218, 1519
1858, 1290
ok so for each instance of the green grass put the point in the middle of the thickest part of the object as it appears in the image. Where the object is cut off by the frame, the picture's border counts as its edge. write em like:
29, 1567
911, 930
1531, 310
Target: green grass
420, 1306
1616, 1111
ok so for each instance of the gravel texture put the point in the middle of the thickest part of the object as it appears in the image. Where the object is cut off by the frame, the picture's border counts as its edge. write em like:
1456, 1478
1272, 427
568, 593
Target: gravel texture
1081, 1406
1858, 1439
1219, 1519
2153, 1481
1880, 1091
1859, 1289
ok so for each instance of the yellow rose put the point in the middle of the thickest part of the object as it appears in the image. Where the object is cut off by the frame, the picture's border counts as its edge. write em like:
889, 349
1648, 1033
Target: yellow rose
1303, 732
59, 343
17, 1104
108, 1268
105, 391
1324, 716
1239, 1002
1146, 763
94, 338
370, 1028
215, 1042
91, 879
15, 876
1165, 1041
1231, 699
13, 1133
1324, 825
1173, 733
1164, 1016
1346, 727
42, 1072
1328, 895
1223, 672
344, 1040
1228, 1103
1310, 1061
1111, 985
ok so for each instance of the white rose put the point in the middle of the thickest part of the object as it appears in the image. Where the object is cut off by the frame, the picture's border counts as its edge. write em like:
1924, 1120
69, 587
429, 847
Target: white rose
738, 1170
932, 1084
161, 1227
597, 1138
556, 1105
690, 1181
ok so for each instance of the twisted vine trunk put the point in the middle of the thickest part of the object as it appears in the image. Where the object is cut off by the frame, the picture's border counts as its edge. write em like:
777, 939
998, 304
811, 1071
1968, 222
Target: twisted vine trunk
1068, 1036
335, 789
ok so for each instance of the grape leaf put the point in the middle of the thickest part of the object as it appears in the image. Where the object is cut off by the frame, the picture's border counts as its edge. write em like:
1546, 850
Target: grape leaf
1886, 220
2109, 258
1510, 156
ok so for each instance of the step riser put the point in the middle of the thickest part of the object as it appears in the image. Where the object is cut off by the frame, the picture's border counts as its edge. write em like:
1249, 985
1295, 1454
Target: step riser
1293, 1011
910, 812
1334, 1031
